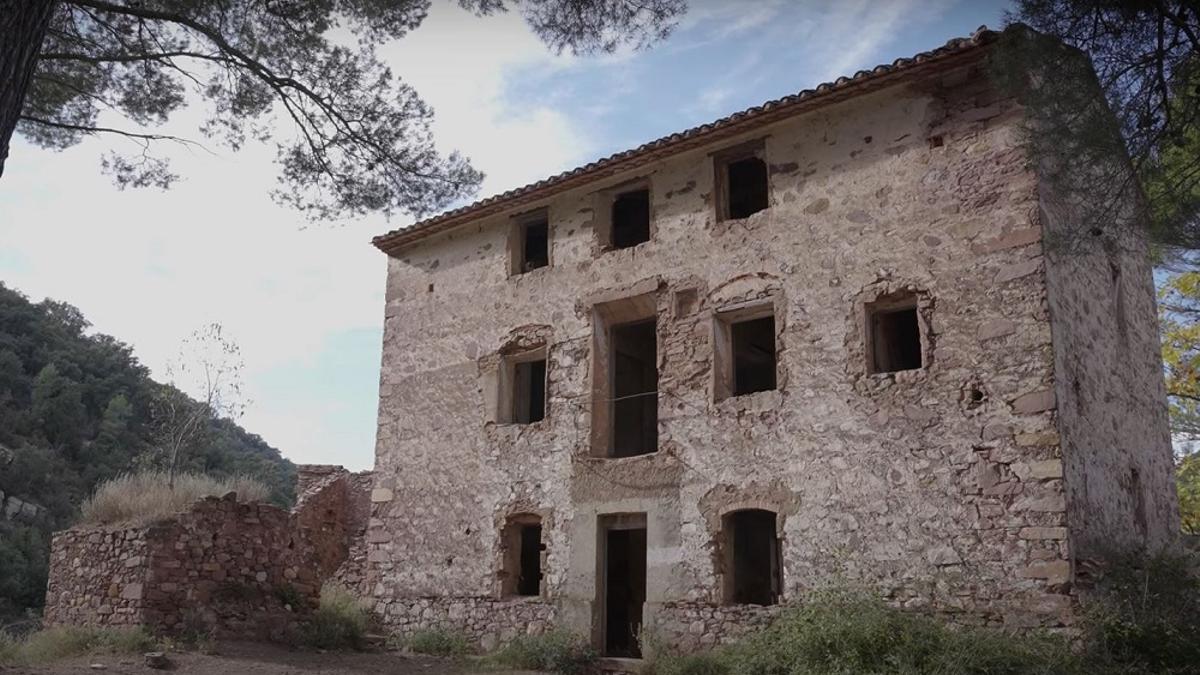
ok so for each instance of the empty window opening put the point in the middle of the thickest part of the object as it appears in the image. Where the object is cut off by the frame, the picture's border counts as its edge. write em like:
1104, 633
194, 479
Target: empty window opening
751, 558
633, 390
623, 585
523, 388
895, 335
529, 391
630, 218
746, 187
753, 355
522, 541
532, 247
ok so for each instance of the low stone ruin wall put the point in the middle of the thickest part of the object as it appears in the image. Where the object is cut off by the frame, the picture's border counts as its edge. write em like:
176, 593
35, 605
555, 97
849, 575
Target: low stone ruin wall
222, 567
488, 622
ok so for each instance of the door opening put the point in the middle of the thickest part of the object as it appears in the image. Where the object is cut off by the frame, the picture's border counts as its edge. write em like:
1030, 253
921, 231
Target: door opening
624, 586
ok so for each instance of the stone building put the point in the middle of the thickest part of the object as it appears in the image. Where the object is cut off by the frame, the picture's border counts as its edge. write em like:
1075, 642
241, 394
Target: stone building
823, 340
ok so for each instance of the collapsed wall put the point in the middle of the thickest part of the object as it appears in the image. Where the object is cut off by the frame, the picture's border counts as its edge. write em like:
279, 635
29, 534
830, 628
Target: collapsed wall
221, 567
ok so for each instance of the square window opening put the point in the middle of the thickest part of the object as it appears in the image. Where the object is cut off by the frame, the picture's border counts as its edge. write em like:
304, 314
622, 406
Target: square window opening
746, 187
531, 248
895, 336
630, 218
753, 355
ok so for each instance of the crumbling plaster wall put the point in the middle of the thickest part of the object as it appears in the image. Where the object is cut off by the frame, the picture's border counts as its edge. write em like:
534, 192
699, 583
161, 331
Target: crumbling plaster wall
905, 482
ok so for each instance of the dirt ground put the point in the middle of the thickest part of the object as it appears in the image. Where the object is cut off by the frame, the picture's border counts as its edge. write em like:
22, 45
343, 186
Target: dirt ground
236, 658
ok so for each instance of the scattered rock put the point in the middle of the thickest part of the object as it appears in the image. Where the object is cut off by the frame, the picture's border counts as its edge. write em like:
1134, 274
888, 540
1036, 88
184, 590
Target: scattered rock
157, 660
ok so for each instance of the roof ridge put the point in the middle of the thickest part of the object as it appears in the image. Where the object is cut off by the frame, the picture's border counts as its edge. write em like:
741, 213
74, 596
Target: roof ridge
391, 241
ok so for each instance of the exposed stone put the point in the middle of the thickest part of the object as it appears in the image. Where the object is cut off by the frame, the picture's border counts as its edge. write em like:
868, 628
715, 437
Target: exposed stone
1034, 402
1043, 533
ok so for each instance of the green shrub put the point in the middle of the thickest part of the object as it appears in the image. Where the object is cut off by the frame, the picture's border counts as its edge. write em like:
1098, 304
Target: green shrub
340, 621
841, 632
139, 498
438, 642
557, 651
1146, 617
53, 644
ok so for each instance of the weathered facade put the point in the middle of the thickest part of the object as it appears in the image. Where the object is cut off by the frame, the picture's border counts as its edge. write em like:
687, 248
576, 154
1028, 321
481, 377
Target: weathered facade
823, 341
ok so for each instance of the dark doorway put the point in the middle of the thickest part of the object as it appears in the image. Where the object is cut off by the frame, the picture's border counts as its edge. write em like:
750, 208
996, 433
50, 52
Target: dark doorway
631, 218
624, 590
530, 580
753, 355
634, 389
752, 575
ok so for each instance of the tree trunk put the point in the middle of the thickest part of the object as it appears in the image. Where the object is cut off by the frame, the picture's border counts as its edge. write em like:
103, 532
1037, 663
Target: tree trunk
23, 26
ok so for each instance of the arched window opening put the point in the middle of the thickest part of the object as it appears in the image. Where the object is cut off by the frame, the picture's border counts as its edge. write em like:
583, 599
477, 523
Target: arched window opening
752, 572
522, 543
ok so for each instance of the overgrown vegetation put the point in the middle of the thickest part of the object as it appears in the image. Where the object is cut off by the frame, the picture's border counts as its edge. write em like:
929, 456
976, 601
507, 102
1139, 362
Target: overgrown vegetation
53, 644
557, 651
439, 642
340, 622
145, 497
76, 409
1148, 623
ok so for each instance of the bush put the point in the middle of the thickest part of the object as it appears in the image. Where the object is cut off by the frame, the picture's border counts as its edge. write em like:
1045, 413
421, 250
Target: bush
53, 644
840, 632
340, 621
139, 498
438, 642
556, 651
1146, 617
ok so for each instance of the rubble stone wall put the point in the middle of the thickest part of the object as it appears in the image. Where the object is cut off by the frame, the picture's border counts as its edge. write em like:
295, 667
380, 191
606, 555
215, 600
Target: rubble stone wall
943, 487
225, 567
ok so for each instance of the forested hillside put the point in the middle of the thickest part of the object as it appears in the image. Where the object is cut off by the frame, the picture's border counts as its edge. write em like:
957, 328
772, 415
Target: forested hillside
76, 409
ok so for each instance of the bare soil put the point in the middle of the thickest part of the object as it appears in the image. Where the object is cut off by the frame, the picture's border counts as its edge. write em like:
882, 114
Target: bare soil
236, 658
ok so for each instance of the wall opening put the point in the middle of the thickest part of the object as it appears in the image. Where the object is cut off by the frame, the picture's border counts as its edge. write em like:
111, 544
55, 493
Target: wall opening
529, 247
625, 377
523, 549
752, 573
743, 186
630, 218
523, 388
622, 584
894, 335
745, 358
634, 391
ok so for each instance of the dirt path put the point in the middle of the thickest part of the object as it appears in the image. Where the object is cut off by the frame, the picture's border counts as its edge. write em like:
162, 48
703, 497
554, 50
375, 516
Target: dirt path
236, 658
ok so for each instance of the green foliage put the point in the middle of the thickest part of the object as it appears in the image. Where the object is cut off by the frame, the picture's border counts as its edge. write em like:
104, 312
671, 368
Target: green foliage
1146, 618
556, 652
841, 632
438, 642
54, 644
1187, 483
75, 411
340, 622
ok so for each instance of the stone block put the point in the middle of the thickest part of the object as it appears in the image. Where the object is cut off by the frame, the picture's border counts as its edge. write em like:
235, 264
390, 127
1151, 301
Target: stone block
1054, 572
1034, 402
1036, 533
380, 495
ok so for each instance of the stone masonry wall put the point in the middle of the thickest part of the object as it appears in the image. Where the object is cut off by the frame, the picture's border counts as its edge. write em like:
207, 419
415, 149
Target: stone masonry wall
943, 488
221, 567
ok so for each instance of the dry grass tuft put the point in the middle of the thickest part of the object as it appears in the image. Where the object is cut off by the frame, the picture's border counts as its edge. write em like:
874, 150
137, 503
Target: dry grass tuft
53, 644
139, 498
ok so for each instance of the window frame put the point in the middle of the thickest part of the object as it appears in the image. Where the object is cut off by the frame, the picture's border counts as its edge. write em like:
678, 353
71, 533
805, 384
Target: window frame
723, 383
518, 229
890, 304
603, 206
506, 408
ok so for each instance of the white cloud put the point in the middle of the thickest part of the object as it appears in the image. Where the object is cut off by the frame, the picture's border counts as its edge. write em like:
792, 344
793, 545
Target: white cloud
149, 267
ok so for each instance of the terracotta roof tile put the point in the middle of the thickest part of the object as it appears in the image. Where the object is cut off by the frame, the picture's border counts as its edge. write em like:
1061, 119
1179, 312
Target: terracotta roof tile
738, 122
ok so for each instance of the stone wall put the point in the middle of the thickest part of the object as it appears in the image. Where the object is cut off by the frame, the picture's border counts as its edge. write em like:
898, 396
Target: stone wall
221, 567
943, 488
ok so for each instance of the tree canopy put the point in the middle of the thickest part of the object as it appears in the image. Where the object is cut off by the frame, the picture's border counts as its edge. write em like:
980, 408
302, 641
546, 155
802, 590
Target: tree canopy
76, 409
354, 139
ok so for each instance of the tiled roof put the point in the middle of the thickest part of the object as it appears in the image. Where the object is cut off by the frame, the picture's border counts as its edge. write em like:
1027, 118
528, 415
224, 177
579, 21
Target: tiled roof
737, 123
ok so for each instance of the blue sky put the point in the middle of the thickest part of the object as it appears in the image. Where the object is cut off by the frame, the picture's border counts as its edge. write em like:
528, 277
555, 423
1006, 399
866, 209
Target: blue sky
305, 302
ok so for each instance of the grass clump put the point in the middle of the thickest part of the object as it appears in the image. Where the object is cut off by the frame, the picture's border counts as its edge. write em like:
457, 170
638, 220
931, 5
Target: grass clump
144, 497
556, 651
438, 642
340, 621
841, 632
53, 644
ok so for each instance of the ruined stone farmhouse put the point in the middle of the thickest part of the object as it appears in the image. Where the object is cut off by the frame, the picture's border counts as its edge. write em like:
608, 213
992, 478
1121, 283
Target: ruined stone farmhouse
825, 340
